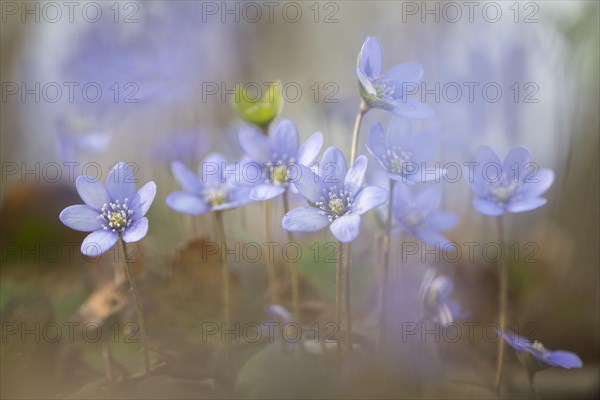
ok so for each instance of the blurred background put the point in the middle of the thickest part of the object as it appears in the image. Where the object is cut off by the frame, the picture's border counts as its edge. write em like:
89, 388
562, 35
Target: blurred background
150, 82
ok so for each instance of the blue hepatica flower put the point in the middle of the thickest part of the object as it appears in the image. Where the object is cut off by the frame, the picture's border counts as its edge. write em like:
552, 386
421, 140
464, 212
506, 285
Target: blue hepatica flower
402, 155
278, 156
110, 211
336, 196
181, 146
535, 357
420, 217
514, 185
389, 90
435, 293
219, 187
72, 145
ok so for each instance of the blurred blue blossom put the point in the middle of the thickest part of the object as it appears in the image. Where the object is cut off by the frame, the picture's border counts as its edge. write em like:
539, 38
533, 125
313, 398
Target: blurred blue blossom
219, 187
535, 357
73, 145
110, 211
514, 185
419, 216
435, 293
336, 196
181, 146
276, 155
388, 90
402, 155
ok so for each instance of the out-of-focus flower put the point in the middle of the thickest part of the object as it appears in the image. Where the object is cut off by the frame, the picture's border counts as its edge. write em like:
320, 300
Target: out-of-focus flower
336, 196
402, 155
219, 187
388, 90
111, 211
259, 112
535, 357
182, 146
419, 216
72, 145
514, 185
435, 293
277, 156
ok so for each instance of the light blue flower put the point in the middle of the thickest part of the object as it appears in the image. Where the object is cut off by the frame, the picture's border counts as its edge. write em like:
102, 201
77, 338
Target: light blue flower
110, 211
181, 146
402, 155
419, 215
72, 145
535, 357
336, 196
435, 293
278, 156
219, 187
514, 185
388, 90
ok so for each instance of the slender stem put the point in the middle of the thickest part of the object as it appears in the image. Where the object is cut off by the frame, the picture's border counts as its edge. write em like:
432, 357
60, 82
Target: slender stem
361, 112
220, 228
534, 392
347, 298
502, 302
271, 274
293, 268
338, 303
384, 276
138, 307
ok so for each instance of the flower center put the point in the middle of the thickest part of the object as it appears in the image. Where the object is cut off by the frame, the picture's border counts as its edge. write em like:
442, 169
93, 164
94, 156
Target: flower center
539, 347
414, 218
215, 196
115, 216
335, 204
280, 175
397, 160
503, 191
382, 87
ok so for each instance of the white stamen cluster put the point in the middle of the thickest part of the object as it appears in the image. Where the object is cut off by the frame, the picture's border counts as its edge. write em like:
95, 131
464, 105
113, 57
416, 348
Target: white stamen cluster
538, 346
278, 171
504, 190
115, 216
414, 218
396, 159
382, 87
335, 204
215, 196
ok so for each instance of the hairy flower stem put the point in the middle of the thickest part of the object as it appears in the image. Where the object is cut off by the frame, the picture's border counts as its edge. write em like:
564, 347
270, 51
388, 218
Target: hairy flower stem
347, 299
272, 276
220, 228
384, 276
361, 112
338, 304
502, 302
138, 307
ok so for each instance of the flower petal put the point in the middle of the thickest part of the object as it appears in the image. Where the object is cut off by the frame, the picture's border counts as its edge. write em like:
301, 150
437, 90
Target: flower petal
304, 219
442, 221
136, 231
402, 198
376, 142
309, 184
188, 203
355, 177
399, 133
121, 182
81, 217
432, 238
526, 204
370, 59
424, 147
284, 140
561, 358
186, 178
429, 199
368, 198
333, 167
266, 192
254, 143
515, 163
99, 242
143, 200
405, 73
488, 208
411, 109
538, 184
346, 228
92, 192
310, 149
365, 83
212, 169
